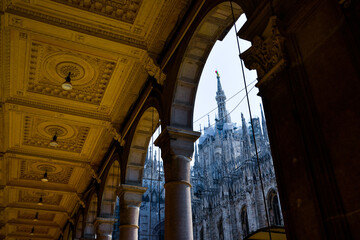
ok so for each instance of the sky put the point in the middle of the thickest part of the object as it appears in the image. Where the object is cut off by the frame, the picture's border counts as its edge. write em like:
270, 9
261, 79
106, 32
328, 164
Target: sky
224, 57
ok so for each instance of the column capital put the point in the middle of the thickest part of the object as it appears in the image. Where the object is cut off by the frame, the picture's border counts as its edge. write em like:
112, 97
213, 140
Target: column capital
177, 141
130, 194
101, 220
104, 227
267, 53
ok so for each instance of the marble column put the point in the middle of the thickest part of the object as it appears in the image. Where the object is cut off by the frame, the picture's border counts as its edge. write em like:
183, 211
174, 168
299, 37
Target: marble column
104, 228
177, 146
130, 200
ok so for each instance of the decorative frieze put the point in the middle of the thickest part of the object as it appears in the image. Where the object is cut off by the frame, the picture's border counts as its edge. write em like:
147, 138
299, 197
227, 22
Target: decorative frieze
266, 54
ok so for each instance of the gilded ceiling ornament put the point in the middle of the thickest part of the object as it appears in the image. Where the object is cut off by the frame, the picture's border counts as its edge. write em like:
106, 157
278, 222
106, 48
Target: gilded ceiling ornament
266, 54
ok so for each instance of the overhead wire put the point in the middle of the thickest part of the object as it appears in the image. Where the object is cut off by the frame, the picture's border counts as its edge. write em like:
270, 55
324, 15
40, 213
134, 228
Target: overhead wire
233, 108
225, 102
251, 121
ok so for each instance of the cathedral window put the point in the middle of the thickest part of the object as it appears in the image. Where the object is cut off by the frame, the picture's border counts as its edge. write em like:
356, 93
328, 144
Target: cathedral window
244, 222
274, 209
220, 229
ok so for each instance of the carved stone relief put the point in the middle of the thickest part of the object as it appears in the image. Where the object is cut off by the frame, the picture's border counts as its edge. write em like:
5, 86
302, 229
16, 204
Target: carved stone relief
49, 65
39, 132
266, 54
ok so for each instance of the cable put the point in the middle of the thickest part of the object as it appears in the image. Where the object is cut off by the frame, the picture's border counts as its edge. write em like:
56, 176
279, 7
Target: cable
252, 124
152, 165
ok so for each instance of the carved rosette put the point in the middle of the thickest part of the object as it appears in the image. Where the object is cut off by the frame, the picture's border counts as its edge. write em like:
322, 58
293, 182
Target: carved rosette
266, 54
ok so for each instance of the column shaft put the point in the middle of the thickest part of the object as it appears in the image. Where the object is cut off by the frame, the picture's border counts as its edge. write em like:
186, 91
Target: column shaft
130, 200
177, 146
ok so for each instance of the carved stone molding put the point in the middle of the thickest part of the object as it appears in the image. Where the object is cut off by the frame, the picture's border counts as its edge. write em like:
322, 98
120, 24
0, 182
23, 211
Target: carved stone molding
93, 173
123, 10
266, 54
76, 26
154, 70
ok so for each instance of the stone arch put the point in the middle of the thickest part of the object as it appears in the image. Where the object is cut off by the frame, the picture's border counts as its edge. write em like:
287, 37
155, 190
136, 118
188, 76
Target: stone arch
137, 149
109, 193
79, 227
213, 26
89, 230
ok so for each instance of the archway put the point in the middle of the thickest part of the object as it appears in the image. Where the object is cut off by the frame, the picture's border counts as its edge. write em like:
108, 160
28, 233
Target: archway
89, 231
214, 26
79, 227
145, 128
112, 182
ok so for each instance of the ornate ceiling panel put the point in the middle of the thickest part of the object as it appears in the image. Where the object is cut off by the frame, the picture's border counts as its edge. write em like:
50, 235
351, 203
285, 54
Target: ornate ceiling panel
34, 170
34, 197
39, 132
49, 66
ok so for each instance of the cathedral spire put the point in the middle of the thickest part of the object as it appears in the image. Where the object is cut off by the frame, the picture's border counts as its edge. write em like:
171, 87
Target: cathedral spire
264, 127
220, 99
196, 155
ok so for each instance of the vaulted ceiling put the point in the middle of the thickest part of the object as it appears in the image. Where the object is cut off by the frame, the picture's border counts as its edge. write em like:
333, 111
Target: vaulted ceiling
109, 48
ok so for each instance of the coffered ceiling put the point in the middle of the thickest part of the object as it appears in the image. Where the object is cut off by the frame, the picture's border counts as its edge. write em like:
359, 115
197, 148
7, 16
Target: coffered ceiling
108, 47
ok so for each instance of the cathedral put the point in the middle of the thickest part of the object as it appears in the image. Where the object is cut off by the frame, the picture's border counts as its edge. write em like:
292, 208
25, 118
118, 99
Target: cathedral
227, 198
84, 84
